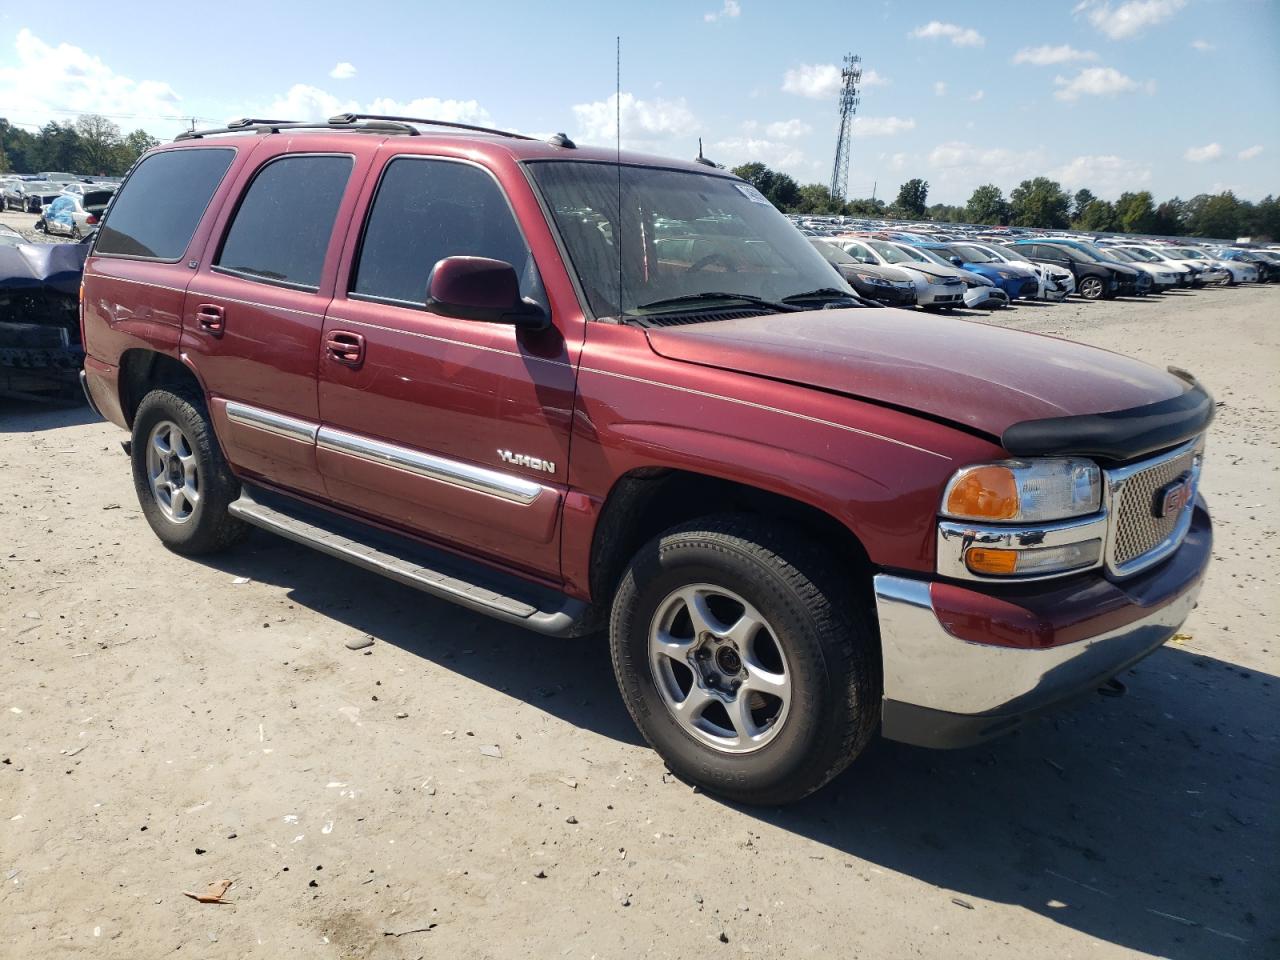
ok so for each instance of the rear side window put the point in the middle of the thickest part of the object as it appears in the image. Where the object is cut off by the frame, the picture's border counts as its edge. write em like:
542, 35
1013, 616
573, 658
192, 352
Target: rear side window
157, 212
426, 210
281, 232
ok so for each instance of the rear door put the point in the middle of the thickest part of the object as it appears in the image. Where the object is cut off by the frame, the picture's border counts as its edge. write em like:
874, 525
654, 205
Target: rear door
454, 429
255, 308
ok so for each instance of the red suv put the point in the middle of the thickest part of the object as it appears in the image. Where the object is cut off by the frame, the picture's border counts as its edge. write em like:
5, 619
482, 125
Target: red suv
578, 391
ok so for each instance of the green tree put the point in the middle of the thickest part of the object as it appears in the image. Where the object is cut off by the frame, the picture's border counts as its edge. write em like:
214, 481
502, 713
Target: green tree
816, 198
1264, 219
99, 143
987, 205
1169, 219
1039, 203
1136, 212
865, 207
57, 148
945, 213
1081, 200
132, 147
1218, 216
913, 198
1098, 216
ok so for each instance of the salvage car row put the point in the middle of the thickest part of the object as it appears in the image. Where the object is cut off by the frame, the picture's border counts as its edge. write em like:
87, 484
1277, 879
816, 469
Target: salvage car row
67, 207
943, 269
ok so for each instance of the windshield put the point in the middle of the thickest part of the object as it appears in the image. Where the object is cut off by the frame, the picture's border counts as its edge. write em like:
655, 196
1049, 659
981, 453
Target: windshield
831, 252
926, 256
1124, 256
890, 253
1093, 251
972, 254
1139, 254
1012, 254
683, 234
1186, 253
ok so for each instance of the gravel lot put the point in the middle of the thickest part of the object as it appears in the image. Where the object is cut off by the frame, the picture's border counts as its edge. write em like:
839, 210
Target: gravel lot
166, 723
25, 223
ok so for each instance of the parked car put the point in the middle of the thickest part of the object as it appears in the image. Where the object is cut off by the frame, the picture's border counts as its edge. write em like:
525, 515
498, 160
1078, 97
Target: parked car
1016, 281
80, 189
1185, 274
457, 360
934, 289
1141, 280
979, 292
1054, 283
1268, 268
885, 285
1095, 280
39, 194
40, 351
58, 177
1162, 277
73, 215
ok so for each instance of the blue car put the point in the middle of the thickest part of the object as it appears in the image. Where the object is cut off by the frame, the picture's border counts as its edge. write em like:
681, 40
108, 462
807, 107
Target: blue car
1140, 280
1011, 279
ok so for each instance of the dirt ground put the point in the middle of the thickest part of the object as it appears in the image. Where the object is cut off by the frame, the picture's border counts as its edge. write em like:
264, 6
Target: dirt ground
166, 723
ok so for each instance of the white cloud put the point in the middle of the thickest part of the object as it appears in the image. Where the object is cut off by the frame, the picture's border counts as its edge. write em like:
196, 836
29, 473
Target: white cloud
870, 78
957, 166
729, 11
304, 102
978, 95
343, 71
940, 89
1107, 176
1250, 152
1098, 82
1204, 46
1210, 151
56, 83
959, 36
817, 81
788, 129
1046, 56
880, 126
645, 123
738, 150
1130, 18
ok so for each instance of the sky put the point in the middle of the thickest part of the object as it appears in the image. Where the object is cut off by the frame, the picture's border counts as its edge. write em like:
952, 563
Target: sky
1178, 97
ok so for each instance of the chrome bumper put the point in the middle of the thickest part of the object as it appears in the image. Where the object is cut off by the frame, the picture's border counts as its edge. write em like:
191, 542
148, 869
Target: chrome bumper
942, 691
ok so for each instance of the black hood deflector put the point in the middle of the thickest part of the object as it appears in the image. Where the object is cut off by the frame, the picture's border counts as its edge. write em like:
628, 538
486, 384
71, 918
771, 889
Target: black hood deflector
1121, 435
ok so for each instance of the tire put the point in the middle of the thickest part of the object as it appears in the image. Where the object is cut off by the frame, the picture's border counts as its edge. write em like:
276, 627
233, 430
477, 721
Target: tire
194, 519
1091, 288
813, 641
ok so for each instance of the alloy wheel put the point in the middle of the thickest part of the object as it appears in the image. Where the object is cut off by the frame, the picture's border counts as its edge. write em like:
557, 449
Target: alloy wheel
173, 472
719, 668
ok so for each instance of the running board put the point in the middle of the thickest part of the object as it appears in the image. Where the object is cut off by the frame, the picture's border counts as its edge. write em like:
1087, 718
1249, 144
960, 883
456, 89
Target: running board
414, 564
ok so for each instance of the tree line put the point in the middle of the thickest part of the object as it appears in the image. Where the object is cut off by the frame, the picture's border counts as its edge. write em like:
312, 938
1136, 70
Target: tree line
91, 145
1037, 202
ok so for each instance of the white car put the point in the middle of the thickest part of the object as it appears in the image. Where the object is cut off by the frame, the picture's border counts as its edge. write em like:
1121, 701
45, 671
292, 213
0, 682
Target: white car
1163, 276
931, 290
1055, 283
1200, 271
73, 215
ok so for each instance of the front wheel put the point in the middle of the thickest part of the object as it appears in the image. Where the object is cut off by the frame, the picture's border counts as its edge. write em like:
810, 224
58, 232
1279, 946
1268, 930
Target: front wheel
1091, 288
183, 483
744, 660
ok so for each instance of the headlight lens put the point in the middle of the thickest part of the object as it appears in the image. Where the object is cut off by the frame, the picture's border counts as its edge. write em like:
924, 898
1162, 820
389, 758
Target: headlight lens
1025, 491
875, 281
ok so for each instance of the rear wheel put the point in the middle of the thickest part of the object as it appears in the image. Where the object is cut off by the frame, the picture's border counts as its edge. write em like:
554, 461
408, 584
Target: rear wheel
1091, 288
183, 483
743, 661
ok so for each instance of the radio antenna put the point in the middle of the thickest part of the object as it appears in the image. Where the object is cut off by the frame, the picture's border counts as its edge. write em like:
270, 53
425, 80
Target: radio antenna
617, 106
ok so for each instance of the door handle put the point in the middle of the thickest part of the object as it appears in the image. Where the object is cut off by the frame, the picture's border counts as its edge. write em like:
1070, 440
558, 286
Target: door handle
212, 318
345, 348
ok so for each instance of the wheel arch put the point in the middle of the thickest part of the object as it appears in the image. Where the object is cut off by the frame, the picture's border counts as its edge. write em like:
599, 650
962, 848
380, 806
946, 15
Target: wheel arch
141, 370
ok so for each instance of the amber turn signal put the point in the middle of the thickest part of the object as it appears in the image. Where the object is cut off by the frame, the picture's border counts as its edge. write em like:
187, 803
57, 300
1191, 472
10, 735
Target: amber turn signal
984, 493
990, 562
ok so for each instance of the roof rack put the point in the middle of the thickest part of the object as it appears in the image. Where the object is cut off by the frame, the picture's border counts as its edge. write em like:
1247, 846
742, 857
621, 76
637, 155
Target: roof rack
254, 125
342, 119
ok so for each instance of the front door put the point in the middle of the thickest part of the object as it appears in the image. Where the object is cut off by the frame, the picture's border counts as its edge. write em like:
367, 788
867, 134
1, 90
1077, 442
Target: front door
457, 430
255, 308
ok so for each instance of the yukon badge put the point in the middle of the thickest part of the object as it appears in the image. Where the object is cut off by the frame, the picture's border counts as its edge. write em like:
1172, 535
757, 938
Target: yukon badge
524, 460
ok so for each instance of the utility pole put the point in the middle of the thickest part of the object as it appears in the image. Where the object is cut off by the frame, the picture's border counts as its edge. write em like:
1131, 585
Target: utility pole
851, 75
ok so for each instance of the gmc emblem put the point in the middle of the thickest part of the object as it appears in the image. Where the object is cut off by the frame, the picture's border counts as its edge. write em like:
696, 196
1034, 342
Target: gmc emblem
1172, 497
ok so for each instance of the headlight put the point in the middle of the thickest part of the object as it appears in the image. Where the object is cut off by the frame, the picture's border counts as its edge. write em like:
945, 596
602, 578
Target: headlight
874, 281
1024, 491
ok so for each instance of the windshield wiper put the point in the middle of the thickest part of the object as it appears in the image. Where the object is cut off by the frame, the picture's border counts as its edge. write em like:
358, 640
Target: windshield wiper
824, 293
688, 298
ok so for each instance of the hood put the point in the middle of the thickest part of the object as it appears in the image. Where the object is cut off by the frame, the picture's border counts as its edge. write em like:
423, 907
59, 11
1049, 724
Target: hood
931, 269
982, 377
875, 270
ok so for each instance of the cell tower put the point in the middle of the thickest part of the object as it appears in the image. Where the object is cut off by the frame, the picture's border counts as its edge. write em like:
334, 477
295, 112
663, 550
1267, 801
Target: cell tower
851, 75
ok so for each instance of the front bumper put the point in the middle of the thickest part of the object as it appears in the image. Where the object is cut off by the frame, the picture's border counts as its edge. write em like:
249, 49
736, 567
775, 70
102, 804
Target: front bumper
963, 665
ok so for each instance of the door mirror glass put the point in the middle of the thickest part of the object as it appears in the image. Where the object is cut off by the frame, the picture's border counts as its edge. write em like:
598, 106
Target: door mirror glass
477, 288
956, 261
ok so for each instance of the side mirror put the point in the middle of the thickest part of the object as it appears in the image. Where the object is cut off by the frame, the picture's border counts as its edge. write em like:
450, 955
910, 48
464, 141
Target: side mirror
477, 288
956, 261
870, 261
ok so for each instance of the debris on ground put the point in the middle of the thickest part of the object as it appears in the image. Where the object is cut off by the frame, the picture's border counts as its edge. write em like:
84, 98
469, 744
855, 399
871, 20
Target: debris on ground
491, 750
215, 892
359, 643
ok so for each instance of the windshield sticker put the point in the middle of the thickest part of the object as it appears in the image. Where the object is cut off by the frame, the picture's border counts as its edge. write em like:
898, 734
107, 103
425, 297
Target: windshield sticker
752, 194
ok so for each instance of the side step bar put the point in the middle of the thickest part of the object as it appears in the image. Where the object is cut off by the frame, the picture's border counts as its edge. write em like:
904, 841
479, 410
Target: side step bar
414, 564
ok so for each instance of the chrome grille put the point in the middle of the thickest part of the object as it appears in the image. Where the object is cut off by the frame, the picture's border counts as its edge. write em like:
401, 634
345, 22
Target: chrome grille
1138, 531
